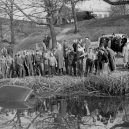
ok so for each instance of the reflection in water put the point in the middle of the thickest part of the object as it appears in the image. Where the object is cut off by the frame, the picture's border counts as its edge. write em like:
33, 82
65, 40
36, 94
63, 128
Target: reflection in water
70, 113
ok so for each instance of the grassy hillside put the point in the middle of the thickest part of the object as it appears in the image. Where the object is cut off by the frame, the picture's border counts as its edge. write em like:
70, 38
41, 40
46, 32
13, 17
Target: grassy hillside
96, 27
35, 37
91, 28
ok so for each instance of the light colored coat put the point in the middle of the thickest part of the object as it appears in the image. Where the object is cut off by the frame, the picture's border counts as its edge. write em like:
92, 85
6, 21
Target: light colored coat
125, 54
60, 59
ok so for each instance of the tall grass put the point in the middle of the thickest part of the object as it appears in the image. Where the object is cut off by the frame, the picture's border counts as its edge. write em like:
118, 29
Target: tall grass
100, 85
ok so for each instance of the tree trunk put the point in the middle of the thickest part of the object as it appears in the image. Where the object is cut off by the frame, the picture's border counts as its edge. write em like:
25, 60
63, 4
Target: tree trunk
74, 16
50, 21
11, 23
53, 33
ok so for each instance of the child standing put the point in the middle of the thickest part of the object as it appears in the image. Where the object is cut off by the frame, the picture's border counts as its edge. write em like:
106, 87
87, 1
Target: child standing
53, 64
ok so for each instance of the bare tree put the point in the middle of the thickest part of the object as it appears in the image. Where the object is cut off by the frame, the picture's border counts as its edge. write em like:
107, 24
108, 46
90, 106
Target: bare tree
8, 9
73, 4
42, 13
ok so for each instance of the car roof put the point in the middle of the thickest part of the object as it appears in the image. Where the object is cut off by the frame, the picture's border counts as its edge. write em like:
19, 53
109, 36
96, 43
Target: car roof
110, 35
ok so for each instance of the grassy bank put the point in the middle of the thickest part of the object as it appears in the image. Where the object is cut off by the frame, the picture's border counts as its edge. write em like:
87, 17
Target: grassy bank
100, 85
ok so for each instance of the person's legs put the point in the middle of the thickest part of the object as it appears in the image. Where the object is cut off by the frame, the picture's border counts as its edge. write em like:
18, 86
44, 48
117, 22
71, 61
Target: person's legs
87, 67
74, 69
66, 65
31, 69
53, 70
42, 68
20, 71
96, 66
78, 67
50, 70
70, 69
81, 68
91, 66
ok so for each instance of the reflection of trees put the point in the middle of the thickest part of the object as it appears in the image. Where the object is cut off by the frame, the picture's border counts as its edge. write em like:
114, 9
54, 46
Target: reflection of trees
70, 112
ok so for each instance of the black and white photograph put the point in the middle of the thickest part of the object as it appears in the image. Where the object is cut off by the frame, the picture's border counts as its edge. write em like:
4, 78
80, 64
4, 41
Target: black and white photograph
64, 64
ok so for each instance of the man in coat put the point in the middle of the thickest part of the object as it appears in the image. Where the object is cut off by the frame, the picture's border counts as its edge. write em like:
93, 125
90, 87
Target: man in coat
60, 60
29, 61
37, 59
19, 66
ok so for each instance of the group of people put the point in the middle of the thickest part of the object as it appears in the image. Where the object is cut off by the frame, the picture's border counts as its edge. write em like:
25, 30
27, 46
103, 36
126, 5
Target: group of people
79, 59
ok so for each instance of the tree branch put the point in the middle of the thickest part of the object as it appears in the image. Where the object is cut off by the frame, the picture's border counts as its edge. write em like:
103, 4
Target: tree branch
41, 23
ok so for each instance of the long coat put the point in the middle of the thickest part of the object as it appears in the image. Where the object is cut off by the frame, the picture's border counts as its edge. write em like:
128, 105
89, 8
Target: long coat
60, 59
125, 54
111, 57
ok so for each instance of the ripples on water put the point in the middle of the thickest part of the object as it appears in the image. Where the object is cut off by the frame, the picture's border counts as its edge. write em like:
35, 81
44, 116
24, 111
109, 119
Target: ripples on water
69, 113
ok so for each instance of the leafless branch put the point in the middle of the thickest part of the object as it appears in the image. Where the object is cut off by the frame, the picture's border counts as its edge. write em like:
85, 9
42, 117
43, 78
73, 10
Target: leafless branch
26, 15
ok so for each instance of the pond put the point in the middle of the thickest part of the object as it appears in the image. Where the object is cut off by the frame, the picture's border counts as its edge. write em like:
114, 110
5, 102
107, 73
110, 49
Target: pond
75, 112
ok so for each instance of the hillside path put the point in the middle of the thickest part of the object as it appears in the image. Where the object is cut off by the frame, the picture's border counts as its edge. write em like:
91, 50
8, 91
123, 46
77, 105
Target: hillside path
62, 34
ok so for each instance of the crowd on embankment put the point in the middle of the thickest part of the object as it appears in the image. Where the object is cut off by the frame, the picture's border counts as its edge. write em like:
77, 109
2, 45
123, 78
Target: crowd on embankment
79, 59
